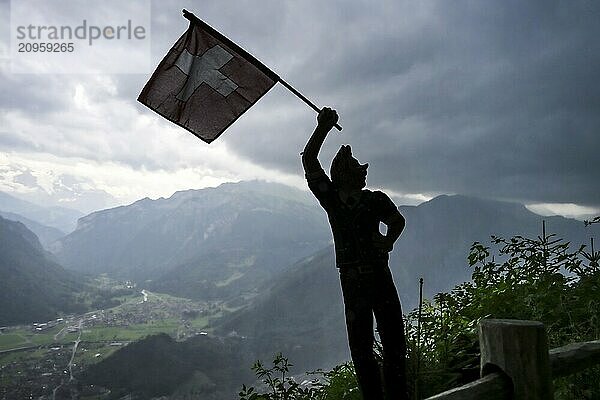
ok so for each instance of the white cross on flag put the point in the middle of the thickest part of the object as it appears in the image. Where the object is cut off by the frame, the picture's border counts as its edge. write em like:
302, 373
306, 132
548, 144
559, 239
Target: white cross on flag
206, 82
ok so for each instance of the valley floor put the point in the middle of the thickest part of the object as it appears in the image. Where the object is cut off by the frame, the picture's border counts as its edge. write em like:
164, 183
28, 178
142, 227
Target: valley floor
42, 360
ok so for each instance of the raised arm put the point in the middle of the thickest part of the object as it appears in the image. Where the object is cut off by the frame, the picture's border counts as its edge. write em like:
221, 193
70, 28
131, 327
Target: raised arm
326, 120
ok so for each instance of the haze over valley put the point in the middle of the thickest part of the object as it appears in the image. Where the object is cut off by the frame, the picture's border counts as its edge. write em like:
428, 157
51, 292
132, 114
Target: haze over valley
227, 275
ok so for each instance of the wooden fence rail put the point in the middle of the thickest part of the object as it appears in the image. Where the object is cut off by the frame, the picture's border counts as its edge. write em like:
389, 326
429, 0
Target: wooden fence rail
574, 357
516, 363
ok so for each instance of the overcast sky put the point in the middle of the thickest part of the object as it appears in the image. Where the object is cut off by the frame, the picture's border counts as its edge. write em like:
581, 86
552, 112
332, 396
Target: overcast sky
497, 99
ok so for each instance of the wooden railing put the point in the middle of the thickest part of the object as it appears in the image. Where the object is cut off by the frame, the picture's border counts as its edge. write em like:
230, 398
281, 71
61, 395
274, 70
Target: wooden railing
516, 363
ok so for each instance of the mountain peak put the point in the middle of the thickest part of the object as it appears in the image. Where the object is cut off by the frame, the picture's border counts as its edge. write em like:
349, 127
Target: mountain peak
16, 228
466, 201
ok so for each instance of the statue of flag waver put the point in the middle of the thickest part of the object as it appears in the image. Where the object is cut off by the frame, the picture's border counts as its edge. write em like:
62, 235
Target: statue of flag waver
206, 82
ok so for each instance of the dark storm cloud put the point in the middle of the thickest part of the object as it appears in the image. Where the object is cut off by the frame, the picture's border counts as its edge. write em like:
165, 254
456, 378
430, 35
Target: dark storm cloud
495, 99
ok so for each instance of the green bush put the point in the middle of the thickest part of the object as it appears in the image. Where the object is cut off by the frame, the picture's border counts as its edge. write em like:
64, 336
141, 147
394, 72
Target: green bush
540, 279
337, 384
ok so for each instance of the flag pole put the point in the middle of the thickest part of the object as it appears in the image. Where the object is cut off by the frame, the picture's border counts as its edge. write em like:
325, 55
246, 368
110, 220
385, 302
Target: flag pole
304, 99
192, 18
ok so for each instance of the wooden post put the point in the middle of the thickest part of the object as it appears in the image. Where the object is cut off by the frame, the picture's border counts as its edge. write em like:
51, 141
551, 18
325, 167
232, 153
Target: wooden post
520, 350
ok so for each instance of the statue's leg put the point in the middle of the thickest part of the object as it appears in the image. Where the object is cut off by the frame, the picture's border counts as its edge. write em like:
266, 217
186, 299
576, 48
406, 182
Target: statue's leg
390, 325
359, 323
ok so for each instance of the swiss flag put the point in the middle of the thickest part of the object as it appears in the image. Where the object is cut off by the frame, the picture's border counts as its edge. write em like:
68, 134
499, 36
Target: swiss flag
206, 82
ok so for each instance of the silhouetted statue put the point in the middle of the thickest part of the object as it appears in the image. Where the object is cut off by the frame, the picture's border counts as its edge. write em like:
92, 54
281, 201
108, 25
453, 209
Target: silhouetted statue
361, 253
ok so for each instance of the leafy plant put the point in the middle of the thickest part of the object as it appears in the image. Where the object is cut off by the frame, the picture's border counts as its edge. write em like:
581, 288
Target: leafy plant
539, 279
337, 384
280, 386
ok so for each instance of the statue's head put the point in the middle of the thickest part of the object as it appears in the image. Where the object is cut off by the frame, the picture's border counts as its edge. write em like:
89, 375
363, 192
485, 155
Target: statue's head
346, 172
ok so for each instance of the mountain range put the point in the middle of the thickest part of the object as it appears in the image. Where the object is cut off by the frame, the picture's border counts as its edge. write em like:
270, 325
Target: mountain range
229, 242
264, 248
32, 286
219, 242
439, 233
61, 218
300, 313
46, 234
209, 243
